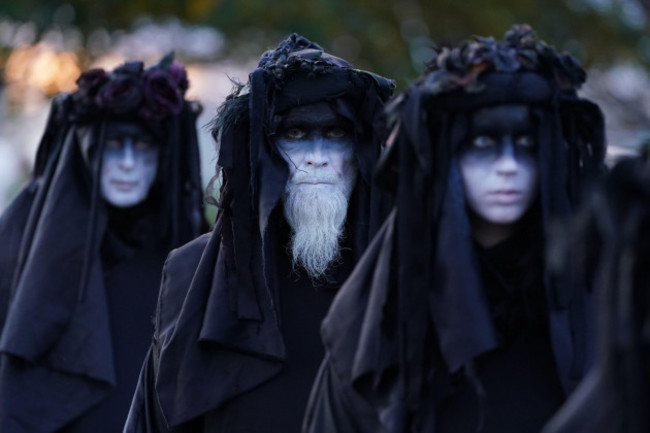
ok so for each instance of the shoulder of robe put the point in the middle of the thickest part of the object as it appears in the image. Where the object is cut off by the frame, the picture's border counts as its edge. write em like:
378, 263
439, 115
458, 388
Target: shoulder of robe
178, 272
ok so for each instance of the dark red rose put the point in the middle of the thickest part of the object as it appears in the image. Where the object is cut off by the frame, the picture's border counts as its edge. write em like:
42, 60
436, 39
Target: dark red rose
90, 81
162, 96
121, 94
179, 75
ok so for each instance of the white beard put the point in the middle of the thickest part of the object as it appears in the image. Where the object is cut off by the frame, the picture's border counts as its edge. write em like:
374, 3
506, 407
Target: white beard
316, 216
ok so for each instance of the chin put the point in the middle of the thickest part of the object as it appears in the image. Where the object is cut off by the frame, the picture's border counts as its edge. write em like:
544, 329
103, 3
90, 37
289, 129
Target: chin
125, 201
504, 218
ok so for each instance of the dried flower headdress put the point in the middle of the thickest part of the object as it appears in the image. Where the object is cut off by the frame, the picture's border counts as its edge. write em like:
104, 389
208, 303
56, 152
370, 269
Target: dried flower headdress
154, 93
520, 51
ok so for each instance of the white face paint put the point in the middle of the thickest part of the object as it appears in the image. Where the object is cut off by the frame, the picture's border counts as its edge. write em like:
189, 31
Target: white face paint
499, 166
318, 146
129, 165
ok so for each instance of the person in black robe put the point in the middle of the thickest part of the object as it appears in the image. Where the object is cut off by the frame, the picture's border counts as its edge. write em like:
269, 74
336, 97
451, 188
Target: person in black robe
116, 185
450, 321
236, 344
611, 236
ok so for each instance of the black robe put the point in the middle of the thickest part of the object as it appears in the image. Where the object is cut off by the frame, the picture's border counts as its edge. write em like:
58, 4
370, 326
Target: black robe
519, 378
131, 261
78, 280
197, 378
612, 238
225, 338
514, 386
132, 267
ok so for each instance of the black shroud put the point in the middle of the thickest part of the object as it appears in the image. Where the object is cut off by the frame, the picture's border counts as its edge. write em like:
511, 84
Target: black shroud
56, 343
217, 326
611, 236
415, 300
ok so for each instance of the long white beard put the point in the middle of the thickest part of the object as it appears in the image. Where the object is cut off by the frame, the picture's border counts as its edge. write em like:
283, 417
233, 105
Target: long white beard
316, 216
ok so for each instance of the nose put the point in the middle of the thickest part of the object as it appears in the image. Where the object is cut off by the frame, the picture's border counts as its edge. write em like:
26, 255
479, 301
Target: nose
127, 162
317, 155
506, 164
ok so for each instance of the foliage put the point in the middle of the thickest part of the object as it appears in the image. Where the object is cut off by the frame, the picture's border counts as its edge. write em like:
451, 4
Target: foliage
392, 37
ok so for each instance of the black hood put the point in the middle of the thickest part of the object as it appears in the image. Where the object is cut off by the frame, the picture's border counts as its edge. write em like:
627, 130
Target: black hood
297, 72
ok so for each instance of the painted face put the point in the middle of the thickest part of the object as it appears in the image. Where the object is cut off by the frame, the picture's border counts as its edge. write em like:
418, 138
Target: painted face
498, 164
318, 145
129, 164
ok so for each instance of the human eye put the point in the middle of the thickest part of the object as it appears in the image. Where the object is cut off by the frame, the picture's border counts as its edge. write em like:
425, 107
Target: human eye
113, 144
525, 141
294, 133
336, 132
483, 142
143, 145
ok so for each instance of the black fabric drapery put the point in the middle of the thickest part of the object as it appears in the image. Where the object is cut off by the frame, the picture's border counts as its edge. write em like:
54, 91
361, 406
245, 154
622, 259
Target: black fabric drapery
217, 330
429, 304
56, 337
610, 236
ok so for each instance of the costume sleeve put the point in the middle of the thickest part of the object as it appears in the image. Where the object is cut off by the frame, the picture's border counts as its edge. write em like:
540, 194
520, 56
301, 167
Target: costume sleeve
145, 415
584, 411
12, 229
334, 407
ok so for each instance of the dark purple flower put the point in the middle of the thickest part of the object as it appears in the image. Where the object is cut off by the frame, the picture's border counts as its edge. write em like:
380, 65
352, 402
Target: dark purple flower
90, 81
573, 70
130, 68
162, 96
122, 93
179, 75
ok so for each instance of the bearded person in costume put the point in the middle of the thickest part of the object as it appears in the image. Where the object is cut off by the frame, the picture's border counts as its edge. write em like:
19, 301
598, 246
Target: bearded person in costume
116, 186
611, 236
236, 345
450, 322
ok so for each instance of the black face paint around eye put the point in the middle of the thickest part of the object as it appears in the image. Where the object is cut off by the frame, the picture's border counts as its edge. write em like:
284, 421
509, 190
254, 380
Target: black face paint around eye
498, 148
311, 120
500, 130
138, 134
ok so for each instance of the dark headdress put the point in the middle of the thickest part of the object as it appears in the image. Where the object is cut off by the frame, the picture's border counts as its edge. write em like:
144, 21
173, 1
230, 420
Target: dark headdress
439, 284
612, 236
233, 287
53, 311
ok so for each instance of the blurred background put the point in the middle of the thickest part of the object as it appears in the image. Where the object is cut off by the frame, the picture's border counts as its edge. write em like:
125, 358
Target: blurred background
45, 45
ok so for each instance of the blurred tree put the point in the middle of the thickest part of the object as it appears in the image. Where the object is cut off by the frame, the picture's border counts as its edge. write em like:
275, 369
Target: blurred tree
393, 37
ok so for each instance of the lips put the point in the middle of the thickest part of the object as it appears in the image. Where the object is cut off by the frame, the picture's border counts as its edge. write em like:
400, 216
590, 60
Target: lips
314, 180
124, 185
506, 196
314, 183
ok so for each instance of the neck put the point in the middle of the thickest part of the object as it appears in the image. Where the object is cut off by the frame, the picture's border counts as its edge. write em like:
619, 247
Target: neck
488, 234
